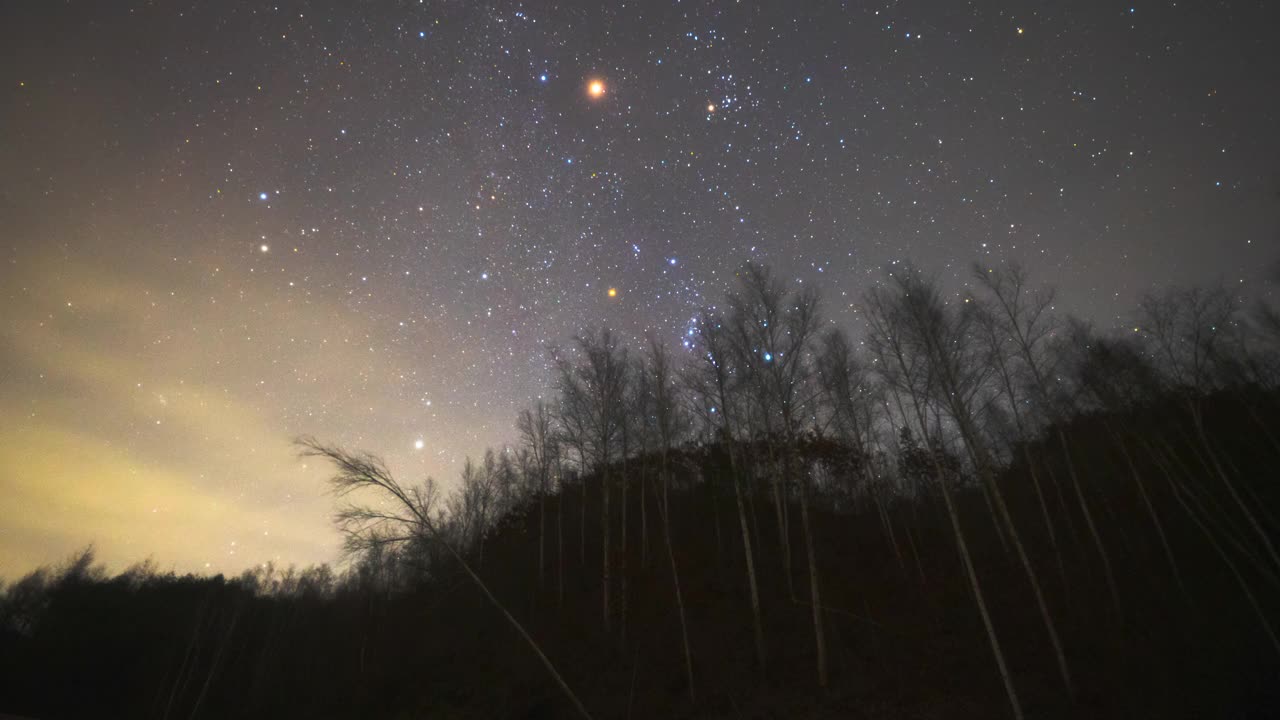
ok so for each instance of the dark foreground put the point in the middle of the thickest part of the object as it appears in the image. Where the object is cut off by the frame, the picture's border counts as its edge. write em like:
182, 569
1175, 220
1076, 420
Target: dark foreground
407, 635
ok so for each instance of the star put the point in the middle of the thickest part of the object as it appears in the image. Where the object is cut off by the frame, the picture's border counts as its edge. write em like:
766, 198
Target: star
596, 89
613, 292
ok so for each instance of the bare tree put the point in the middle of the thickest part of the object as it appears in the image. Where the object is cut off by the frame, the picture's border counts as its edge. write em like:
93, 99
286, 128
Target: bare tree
1008, 315
908, 370
410, 518
774, 329
960, 366
472, 505
1023, 317
1192, 329
670, 424
712, 377
597, 382
571, 417
846, 387
640, 400
535, 430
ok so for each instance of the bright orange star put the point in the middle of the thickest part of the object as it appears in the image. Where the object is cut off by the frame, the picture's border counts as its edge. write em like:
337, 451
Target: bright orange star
596, 88
613, 292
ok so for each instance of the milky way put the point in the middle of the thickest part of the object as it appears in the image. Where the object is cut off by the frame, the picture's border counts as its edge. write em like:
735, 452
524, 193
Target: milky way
227, 224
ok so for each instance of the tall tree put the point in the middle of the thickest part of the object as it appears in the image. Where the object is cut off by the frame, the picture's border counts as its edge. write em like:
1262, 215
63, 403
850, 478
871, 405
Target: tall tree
851, 399
960, 366
598, 383
670, 424
534, 426
908, 371
409, 519
774, 329
712, 376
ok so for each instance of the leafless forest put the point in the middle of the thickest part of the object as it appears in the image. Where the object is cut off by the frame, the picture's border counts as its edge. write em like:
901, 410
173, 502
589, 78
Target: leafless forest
972, 505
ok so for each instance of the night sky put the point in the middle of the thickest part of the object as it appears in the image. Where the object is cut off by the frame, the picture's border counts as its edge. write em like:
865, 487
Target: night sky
225, 224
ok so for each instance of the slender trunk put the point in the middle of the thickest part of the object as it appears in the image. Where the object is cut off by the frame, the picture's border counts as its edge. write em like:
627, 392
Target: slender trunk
982, 463
751, 504
915, 553
976, 588
1235, 572
546, 662
604, 545
1062, 503
815, 595
542, 534
622, 559
560, 547
995, 516
1044, 510
664, 509
1222, 524
644, 522
784, 537
1198, 423
715, 514
751, 563
1151, 511
885, 522
1262, 425
1093, 527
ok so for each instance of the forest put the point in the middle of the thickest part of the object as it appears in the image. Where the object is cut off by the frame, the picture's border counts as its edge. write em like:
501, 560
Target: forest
971, 505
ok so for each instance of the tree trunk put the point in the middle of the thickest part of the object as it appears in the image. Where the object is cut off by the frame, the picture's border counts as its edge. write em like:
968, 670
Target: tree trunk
715, 514
1044, 510
983, 466
546, 662
885, 520
976, 587
784, 537
675, 579
1089, 522
622, 559
750, 558
604, 546
542, 534
644, 522
1151, 511
815, 596
560, 547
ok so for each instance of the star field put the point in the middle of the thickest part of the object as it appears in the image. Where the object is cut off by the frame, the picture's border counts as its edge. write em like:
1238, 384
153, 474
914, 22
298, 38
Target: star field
228, 224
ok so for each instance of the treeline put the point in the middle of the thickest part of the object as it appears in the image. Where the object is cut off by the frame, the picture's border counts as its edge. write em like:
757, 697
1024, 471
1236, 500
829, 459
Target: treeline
975, 498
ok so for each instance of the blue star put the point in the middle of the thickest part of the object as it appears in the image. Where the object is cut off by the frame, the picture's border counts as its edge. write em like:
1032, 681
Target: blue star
542, 78
262, 196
